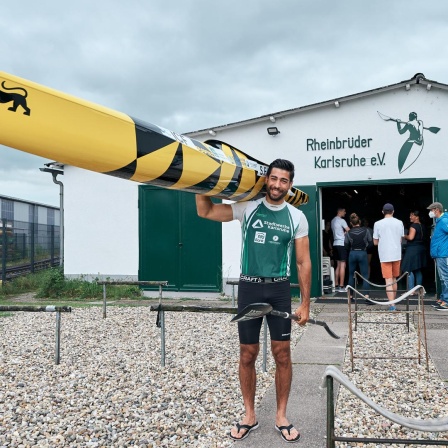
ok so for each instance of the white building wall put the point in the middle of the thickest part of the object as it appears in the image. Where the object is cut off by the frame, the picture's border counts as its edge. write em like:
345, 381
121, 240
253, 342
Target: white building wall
101, 225
352, 119
231, 249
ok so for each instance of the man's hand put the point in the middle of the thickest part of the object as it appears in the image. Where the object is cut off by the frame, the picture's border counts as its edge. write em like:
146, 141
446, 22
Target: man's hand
303, 313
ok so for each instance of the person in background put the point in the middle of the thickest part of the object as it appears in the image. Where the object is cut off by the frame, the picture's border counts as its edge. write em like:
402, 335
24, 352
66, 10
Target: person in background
339, 227
439, 251
327, 241
369, 249
414, 259
357, 240
387, 235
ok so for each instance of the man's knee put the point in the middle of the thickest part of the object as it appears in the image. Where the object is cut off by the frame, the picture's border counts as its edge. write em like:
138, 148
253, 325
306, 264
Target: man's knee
281, 352
249, 353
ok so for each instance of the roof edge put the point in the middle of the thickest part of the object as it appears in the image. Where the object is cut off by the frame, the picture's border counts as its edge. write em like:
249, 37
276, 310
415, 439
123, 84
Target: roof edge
418, 78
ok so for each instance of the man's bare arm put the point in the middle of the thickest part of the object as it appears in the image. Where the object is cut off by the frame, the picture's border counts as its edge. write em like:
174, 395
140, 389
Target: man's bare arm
209, 210
303, 260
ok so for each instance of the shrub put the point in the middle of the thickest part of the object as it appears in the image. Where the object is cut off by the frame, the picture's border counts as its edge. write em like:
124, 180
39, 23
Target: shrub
52, 283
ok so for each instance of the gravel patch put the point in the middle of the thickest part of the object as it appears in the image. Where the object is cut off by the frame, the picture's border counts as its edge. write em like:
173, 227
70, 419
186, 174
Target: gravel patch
401, 386
110, 390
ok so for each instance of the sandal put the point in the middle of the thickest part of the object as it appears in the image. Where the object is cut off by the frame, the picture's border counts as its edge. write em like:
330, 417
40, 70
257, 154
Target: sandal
247, 428
287, 428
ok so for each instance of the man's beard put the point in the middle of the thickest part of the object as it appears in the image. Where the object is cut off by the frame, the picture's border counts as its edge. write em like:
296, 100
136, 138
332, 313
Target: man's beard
281, 195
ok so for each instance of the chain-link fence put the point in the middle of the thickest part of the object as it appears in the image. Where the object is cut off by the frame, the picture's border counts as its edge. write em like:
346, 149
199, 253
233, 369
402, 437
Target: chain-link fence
27, 247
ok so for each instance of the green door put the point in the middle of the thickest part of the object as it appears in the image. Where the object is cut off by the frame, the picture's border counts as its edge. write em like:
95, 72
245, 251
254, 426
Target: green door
175, 244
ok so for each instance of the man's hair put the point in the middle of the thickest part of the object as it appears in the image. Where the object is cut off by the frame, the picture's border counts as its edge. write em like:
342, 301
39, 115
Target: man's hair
282, 164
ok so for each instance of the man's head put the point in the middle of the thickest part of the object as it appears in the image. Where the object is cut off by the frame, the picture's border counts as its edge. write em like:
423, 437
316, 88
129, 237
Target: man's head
412, 116
436, 208
341, 212
388, 209
282, 164
279, 180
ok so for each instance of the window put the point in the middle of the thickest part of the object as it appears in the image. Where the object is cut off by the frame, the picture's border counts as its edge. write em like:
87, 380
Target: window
8, 210
50, 216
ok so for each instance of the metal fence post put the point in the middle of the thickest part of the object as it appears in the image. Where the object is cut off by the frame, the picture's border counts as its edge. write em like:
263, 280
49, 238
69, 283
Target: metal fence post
162, 337
51, 244
4, 250
32, 244
330, 413
265, 342
58, 338
104, 301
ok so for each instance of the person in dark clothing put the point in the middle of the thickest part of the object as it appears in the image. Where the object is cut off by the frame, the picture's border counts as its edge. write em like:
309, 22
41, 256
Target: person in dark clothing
414, 259
369, 249
357, 240
327, 241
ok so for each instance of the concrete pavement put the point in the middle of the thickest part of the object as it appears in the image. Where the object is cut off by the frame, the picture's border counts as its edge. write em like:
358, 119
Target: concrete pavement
316, 350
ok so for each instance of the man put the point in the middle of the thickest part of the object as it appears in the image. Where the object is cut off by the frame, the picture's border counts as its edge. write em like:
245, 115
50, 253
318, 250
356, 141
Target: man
387, 235
439, 251
339, 227
270, 228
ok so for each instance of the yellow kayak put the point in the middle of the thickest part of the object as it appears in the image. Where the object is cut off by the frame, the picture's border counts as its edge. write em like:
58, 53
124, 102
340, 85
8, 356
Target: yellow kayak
61, 127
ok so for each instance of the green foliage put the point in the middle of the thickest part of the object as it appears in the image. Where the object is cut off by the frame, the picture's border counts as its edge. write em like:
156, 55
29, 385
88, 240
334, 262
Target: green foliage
20, 285
52, 284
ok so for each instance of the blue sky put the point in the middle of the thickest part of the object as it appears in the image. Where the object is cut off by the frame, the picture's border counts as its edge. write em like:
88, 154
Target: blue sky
192, 64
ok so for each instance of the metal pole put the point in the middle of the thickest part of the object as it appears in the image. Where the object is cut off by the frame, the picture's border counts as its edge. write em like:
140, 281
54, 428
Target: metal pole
4, 250
51, 244
330, 413
61, 224
58, 337
162, 337
350, 332
104, 301
32, 238
55, 173
233, 296
265, 342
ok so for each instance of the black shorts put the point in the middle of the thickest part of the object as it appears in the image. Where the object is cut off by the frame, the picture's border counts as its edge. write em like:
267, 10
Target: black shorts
340, 253
276, 294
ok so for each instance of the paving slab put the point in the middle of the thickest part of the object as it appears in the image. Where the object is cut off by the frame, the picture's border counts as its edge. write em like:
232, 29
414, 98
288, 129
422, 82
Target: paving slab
312, 354
307, 402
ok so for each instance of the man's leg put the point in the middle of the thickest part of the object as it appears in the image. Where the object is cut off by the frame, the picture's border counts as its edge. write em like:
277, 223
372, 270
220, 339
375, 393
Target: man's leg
442, 269
248, 384
391, 290
342, 274
281, 351
336, 273
386, 270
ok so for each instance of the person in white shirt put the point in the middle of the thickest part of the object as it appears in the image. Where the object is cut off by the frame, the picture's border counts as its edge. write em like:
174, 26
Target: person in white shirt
339, 227
387, 235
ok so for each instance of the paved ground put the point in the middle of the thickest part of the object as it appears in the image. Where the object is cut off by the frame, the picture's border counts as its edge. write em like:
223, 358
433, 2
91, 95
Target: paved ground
316, 350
